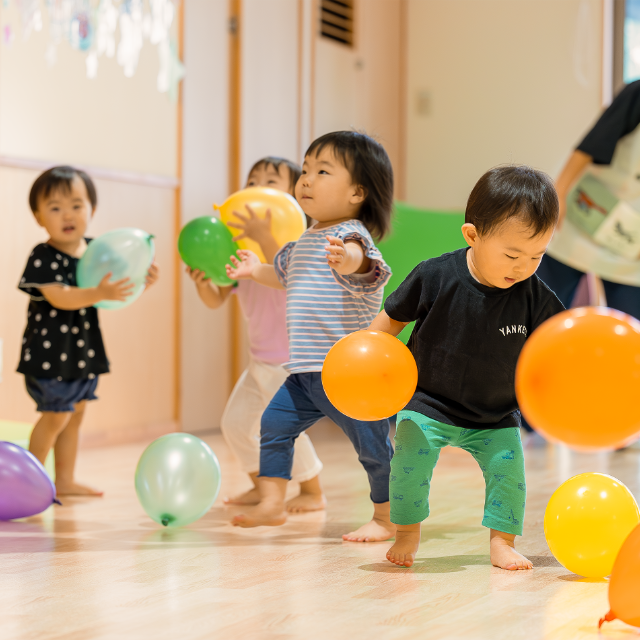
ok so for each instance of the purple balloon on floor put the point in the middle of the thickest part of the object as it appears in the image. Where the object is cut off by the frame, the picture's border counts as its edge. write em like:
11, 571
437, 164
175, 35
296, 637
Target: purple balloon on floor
25, 487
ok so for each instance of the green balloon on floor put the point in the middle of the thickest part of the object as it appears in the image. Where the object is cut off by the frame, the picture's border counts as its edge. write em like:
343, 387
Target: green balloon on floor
206, 244
177, 479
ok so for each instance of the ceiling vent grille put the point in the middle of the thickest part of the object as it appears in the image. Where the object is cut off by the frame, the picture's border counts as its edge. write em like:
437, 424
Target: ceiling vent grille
336, 20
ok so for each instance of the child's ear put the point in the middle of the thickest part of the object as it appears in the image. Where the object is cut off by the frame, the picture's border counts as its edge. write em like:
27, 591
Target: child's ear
359, 195
36, 215
470, 234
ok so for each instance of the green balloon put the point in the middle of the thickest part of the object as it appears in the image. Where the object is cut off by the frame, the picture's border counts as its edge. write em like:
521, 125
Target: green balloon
177, 479
206, 244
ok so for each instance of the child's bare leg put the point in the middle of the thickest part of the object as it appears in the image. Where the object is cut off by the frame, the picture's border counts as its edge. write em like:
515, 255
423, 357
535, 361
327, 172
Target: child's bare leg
403, 552
311, 497
504, 554
270, 512
45, 432
66, 451
380, 527
250, 497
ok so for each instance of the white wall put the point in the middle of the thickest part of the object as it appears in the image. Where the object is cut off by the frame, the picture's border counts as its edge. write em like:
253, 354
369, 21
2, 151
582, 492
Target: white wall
206, 349
360, 87
269, 81
500, 81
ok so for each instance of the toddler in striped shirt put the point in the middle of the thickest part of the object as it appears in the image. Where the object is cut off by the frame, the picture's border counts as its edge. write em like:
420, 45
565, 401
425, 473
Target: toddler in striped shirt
334, 277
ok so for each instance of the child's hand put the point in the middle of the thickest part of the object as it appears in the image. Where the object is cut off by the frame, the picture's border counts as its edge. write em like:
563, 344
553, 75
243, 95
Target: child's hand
251, 226
199, 277
152, 275
118, 290
244, 267
336, 252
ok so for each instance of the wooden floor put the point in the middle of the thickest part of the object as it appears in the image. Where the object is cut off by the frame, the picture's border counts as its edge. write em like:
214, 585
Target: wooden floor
99, 568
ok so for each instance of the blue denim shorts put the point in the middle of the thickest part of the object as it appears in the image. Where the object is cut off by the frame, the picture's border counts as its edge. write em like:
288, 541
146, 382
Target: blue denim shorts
60, 396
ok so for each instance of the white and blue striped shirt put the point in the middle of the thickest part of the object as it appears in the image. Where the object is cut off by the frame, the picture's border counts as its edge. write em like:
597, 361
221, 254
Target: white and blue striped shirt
322, 305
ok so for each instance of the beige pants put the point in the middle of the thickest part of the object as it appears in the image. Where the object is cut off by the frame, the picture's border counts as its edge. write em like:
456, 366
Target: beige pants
240, 422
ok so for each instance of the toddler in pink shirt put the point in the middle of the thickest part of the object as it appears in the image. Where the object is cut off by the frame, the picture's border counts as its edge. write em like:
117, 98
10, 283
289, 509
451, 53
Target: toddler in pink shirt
265, 312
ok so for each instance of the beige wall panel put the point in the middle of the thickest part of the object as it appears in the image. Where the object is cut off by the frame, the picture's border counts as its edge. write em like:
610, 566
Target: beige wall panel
269, 80
360, 87
54, 113
206, 345
137, 397
496, 81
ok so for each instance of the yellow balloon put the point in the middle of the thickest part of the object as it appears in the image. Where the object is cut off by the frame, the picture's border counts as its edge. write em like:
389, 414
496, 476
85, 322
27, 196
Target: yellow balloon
288, 221
586, 522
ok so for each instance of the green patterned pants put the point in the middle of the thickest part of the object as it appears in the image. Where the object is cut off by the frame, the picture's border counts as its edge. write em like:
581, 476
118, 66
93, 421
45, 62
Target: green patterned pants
497, 451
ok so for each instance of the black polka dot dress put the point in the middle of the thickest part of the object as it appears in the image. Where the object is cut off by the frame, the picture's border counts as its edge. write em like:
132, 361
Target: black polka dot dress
58, 343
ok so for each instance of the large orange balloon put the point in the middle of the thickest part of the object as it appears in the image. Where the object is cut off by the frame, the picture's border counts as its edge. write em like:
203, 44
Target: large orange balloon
624, 584
578, 378
369, 375
288, 221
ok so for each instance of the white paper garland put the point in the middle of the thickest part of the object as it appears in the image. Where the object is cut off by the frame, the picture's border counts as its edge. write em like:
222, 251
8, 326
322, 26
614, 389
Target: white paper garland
111, 28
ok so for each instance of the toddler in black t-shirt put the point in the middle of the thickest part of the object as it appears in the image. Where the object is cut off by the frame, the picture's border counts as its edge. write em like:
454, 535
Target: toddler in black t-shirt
62, 351
474, 309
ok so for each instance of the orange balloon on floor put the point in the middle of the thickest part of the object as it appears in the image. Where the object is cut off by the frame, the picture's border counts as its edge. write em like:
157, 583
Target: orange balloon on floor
624, 584
369, 375
288, 221
578, 378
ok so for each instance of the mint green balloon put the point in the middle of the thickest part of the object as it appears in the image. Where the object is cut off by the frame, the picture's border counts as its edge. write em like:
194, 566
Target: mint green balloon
177, 479
126, 253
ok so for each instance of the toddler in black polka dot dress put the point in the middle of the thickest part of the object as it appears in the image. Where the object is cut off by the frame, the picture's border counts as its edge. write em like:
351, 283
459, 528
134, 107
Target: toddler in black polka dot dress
62, 350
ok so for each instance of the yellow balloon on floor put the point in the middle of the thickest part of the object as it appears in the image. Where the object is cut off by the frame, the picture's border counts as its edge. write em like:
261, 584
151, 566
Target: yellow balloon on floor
586, 522
288, 221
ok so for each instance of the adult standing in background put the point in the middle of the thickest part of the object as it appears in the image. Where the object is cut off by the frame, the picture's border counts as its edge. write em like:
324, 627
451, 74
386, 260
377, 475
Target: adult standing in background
611, 152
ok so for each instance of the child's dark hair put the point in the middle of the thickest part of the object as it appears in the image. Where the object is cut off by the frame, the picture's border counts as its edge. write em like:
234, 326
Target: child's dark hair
370, 167
60, 178
276, 163
513, 191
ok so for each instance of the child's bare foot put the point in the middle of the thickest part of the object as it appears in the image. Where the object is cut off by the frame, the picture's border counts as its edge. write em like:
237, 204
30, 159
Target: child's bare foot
504, 554
380, 528
373, 531
251, 497
75, 489
263, 515
306, 502
403, 552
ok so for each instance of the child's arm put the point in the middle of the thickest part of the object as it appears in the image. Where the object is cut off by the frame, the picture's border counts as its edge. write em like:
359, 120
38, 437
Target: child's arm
152, 275
212, 295
382, 322
71, 298
250, 267
258, 230
346, 258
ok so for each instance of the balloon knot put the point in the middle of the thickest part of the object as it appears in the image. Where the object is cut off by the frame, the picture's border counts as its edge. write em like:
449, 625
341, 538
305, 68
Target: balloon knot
165, 521
56, 501
608, 618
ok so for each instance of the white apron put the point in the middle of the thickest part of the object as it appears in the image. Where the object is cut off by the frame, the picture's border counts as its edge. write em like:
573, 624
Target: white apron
576, 249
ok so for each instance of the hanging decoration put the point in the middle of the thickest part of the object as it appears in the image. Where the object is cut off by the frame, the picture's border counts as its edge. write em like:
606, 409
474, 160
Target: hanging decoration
111, 28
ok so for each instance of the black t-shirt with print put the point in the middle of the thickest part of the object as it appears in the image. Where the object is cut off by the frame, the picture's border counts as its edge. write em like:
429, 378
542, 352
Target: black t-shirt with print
58, 343
467, 340
620, 118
